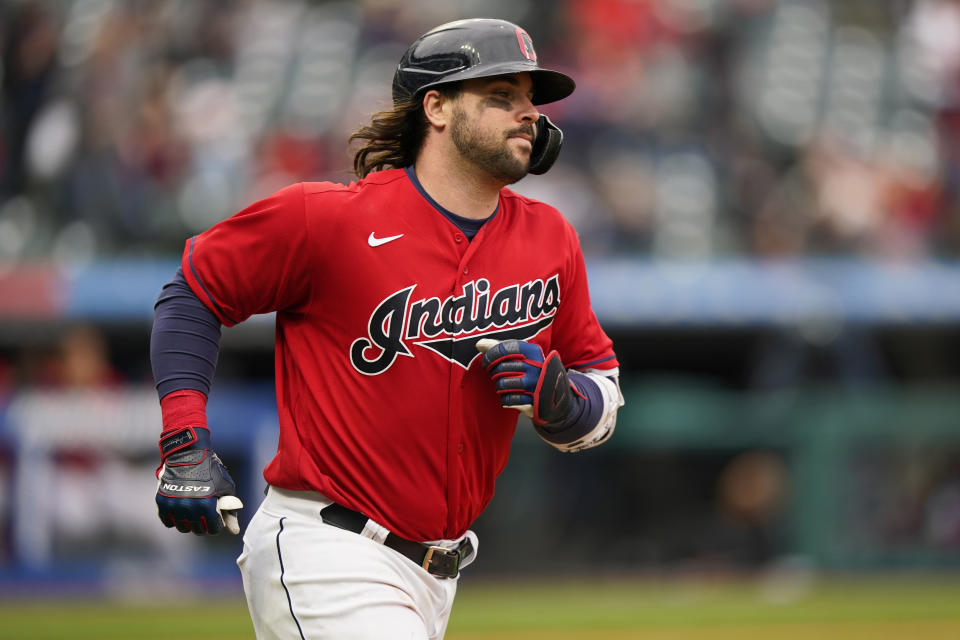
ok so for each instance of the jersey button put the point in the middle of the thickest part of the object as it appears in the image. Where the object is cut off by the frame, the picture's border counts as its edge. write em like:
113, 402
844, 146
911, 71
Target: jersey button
465, 270
460, 448
458, 238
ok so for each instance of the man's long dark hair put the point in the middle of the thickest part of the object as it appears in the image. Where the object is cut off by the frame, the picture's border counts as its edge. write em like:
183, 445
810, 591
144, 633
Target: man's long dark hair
394, 137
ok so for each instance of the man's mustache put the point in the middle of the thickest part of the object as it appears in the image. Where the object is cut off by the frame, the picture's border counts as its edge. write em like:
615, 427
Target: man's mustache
527, 128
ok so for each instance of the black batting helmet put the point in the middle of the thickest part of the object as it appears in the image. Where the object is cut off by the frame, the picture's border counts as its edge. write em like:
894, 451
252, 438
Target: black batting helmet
475, 48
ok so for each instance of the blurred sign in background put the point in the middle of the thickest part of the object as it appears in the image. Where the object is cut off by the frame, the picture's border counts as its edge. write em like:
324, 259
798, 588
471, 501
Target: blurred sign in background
767, 193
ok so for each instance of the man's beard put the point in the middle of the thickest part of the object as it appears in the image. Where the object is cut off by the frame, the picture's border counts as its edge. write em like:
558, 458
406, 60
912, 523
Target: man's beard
487, 152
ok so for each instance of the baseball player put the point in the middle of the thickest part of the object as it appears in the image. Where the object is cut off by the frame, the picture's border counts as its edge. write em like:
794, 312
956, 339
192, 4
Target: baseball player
419, 311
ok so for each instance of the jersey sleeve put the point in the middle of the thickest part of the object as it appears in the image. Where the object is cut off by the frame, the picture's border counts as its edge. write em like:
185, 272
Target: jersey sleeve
253, 262
577, 334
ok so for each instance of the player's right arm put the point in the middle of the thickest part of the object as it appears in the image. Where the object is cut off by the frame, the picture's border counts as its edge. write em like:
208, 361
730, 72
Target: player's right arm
194, 489
256, 261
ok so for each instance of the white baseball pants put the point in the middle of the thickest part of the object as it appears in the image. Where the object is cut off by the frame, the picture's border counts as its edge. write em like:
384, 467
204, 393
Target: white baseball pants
306, 580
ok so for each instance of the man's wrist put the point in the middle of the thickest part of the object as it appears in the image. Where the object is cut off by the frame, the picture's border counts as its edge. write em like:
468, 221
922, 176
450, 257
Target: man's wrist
183, 438
185, 407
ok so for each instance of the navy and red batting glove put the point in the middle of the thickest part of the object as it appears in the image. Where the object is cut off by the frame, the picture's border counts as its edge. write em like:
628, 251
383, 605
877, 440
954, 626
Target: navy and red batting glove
195, 491
528, 381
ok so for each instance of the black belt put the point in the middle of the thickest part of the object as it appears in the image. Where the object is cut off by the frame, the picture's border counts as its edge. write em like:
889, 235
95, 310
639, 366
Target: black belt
438, 561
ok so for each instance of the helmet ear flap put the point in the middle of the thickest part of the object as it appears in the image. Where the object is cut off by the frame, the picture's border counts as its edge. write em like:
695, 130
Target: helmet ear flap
546, 146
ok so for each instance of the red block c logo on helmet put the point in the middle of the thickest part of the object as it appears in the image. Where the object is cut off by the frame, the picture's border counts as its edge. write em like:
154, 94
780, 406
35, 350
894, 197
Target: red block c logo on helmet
526, 45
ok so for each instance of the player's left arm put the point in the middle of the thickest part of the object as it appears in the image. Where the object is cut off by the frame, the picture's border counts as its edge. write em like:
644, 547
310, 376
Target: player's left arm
570, 409
571, 393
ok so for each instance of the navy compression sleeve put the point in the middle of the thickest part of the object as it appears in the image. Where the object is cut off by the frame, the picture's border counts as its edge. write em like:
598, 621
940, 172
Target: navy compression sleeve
185, 340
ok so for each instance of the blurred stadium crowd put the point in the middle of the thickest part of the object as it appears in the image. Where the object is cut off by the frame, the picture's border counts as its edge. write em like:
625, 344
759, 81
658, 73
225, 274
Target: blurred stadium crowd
701, 128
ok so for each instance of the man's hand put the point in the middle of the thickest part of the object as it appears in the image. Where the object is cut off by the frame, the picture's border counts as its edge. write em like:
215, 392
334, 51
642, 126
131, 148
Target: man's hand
528, 381
195, 491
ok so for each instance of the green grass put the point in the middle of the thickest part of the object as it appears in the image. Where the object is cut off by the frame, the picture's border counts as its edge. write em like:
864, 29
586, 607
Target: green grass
99, 620
668, 609
895, 608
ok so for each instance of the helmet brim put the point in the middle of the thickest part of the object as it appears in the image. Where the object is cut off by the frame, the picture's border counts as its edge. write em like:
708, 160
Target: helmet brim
548, 85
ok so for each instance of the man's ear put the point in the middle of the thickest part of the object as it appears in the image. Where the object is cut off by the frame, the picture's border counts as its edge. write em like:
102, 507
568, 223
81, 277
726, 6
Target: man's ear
437, 108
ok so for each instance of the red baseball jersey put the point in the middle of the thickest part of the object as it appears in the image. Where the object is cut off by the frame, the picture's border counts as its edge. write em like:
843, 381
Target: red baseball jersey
380, 300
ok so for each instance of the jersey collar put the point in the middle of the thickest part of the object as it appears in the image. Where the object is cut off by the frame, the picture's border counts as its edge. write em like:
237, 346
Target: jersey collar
469, 226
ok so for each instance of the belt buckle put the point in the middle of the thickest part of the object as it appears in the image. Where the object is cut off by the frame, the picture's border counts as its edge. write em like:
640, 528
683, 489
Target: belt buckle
441, 562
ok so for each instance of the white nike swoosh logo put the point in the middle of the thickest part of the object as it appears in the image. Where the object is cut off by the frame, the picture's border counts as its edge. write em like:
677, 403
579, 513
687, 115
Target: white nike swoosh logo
374, 241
